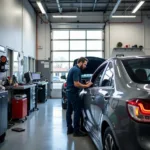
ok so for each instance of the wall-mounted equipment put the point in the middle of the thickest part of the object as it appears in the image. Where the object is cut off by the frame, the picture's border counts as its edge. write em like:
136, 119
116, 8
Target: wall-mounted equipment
3, 63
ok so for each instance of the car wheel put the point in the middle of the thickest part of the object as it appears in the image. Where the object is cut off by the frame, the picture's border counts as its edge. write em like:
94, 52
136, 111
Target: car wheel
2, 138
64, 106
109, 142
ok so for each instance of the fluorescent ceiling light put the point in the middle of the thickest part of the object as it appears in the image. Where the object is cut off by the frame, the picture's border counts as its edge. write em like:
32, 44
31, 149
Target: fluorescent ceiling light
64, 16
123, 16
138, 6
41, 7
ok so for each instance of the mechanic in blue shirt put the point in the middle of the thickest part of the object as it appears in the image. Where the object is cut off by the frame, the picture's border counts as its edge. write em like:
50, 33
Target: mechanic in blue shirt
74, 103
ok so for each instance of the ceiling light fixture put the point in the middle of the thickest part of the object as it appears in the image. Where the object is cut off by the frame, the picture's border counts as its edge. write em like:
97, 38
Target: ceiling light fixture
138, 6
64, 16
41, 7
114, 16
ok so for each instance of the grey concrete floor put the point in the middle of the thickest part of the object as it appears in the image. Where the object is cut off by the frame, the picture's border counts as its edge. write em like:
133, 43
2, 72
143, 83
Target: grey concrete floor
46, 130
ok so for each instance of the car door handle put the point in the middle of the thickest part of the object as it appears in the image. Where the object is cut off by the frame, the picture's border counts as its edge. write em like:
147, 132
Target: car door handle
107, 96
92, 97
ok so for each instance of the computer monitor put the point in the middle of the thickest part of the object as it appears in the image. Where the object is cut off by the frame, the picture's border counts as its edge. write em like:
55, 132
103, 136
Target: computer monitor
28, 77
36, 76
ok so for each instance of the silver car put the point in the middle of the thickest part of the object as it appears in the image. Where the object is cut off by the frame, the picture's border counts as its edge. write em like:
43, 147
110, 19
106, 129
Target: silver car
117, 106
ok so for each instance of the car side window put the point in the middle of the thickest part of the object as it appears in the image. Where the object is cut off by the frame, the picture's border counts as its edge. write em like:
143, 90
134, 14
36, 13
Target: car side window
107, 79
98, 77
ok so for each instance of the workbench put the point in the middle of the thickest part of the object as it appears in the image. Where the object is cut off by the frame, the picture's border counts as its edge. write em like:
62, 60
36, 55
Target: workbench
29, 90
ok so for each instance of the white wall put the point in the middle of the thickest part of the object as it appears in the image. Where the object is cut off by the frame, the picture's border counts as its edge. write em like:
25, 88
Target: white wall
11, 24
17, 26
128, 34
43, 40
29, 30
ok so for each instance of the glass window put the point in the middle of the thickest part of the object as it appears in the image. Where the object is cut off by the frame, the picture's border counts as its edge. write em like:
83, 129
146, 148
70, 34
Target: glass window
95, 54
10, 62
57, 85
25, 64
71, 44
95, 45
57, 81
94, 34
60, 34
32, 64
138, 69
77, 45
98, 76
77, 34
15, 63
15, 67
60, 56
60, 66
108, 76
15, 56
56, 76
60, 45
75, 55
71, 64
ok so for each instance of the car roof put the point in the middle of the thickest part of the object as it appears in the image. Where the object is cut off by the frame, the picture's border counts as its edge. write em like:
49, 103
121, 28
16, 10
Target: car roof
129, 57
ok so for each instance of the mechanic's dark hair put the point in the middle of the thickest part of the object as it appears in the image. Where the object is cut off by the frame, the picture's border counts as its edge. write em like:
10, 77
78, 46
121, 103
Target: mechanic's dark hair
82, 59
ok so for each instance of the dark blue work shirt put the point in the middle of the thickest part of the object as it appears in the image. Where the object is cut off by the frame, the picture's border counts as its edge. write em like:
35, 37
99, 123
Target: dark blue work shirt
73, 75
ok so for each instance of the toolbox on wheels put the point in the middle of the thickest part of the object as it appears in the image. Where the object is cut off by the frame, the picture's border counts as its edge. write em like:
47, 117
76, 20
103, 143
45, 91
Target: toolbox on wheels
19, 107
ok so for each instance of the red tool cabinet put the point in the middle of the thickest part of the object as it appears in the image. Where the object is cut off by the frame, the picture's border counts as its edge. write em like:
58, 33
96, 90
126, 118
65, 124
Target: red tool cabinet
19, 108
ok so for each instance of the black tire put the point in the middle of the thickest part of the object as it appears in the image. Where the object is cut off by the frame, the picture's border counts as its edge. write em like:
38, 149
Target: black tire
109, 142
2, 138
64, 106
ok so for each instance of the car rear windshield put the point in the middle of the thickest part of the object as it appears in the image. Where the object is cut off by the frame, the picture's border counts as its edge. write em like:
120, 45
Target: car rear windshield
138, 69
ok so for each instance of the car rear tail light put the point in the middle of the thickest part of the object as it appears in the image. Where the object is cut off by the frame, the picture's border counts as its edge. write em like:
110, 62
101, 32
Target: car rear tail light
139, 109
65, 85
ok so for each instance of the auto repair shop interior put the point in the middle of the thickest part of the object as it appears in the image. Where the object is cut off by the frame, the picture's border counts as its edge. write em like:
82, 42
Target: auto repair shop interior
41, 40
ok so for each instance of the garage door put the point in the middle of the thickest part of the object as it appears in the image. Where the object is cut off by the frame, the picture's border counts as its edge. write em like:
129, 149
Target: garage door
68, 45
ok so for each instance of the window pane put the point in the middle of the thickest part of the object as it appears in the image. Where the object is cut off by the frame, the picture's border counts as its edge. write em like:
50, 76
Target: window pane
15, 67
95, 54
60, 56
57, 81
60, 45
75, 55
16, 56
94, 34
95, 45
56, 76
25, 64
71, 64
77, 34
107, 79
60, 34
57, 85
60, 66
77, 45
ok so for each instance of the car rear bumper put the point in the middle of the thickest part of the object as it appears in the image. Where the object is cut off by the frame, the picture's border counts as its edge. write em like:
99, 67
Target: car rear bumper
136, 137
